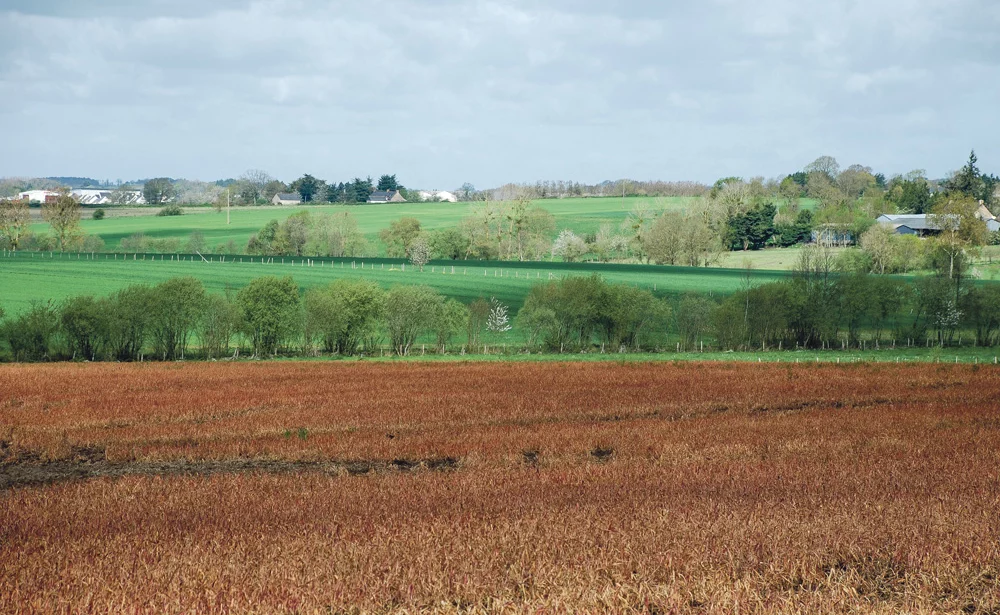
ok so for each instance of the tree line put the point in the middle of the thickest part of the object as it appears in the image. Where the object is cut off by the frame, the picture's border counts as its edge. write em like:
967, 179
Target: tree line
270, 316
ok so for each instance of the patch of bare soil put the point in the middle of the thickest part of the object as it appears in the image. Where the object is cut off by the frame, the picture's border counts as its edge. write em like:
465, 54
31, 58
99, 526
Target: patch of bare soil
27, 468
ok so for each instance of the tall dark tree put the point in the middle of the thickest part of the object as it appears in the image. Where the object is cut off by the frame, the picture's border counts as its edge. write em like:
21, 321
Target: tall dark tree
388, 182
968, 180
752, 229
360, 190
911, 195
307, 186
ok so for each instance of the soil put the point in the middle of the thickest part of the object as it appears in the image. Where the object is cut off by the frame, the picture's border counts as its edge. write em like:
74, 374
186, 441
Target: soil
27, 468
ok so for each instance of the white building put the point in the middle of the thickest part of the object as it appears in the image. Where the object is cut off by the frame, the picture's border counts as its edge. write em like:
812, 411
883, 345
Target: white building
440, 195
38, 196
106, 197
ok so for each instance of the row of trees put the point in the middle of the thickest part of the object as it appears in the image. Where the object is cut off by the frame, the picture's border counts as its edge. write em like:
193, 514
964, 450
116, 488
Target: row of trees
813, 309
267, 317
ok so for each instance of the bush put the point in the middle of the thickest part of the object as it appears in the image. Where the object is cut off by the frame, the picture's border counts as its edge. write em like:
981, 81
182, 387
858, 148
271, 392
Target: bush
171, 210
31, 335
98, 214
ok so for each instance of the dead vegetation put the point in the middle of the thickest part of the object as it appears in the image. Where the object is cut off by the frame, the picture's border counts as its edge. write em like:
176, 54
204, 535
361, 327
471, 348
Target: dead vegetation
715, 489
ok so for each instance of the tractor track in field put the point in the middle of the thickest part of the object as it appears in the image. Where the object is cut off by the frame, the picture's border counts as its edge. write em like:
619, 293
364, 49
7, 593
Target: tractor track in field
27, 468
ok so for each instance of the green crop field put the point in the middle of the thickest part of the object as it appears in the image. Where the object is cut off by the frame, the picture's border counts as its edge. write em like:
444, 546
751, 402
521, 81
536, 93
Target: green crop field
27, 277
581, 215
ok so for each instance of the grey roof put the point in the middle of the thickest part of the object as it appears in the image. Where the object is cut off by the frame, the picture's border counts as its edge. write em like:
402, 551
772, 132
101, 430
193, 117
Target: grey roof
382, 195
289, 196
917, 222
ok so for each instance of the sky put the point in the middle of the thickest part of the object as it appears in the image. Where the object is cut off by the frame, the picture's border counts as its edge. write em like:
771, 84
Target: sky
442, 92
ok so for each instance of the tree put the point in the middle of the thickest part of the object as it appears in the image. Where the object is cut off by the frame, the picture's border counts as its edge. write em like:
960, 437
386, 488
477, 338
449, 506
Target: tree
272, 188
123, 195
824, 164
569, 246
63, 215
398, 237
968, 180
158, 191
662, 243
84, 323
450, 318
449, 244
911, 195
419, 253
218, 323
498, 321
961, 233
466, 192
479, 313
308, 186
359, 190
15, 218
128, 321
410, 311
694, 318
252, 186
751, 230
270, 313
388, 182
177, 307
879, 244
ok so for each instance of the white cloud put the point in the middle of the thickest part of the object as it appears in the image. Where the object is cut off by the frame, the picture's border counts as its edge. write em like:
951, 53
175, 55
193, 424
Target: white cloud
505, 90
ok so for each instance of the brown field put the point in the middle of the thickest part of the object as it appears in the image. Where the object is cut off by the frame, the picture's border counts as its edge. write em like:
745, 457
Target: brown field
404, 488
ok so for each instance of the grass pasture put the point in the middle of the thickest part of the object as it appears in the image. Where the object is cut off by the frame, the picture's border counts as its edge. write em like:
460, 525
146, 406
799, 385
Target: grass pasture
481, 488
27, 277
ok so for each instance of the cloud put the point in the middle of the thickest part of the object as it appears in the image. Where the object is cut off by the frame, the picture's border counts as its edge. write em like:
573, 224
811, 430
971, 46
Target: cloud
442, 91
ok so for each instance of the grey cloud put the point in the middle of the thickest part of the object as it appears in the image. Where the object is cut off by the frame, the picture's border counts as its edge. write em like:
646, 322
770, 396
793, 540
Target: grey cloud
490, 91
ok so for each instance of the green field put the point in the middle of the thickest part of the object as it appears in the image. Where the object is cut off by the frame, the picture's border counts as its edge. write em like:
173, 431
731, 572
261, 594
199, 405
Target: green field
27, 277
580, 215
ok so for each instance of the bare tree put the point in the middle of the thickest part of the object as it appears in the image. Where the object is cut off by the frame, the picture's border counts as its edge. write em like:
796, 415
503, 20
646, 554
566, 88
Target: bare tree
14, 220
63, 215
253, 183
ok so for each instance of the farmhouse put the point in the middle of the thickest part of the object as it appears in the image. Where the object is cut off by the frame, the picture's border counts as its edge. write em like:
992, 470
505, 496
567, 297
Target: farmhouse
386, 196
286, 198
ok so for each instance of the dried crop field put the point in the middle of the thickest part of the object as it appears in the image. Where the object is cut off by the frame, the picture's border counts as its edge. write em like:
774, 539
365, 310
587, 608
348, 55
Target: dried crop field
464, 487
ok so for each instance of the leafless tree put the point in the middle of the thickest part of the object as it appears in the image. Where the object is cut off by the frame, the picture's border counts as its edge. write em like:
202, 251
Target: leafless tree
14, 220
63, 215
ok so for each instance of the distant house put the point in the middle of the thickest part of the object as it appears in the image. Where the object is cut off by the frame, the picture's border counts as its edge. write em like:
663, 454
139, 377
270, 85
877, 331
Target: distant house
92, 197
833, 235
911, 224
38, 196
286, 198
386, 196
993, 225
983, 213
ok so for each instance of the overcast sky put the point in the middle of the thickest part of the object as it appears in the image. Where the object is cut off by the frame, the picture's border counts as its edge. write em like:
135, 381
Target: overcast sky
442, 92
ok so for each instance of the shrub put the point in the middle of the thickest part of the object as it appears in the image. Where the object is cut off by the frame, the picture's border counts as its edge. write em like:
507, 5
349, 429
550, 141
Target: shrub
31, 334
98, 214
171, 210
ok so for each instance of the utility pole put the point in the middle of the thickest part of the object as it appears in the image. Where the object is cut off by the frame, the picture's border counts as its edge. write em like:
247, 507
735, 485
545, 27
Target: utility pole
227, 206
